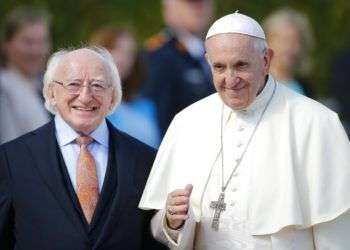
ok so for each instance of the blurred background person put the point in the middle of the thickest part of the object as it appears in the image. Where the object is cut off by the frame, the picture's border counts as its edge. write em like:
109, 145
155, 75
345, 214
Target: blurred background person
26, 44
178, 71
136, 115
290, 36
340, 85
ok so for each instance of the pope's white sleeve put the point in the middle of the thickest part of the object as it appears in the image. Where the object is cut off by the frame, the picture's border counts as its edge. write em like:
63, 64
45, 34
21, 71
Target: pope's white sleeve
174, 239
333, 235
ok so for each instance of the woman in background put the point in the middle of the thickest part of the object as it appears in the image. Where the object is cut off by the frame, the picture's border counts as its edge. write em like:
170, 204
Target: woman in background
25, 44
289, 35
136, 115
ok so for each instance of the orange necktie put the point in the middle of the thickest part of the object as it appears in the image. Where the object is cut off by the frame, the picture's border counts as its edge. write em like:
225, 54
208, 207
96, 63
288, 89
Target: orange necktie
87, 183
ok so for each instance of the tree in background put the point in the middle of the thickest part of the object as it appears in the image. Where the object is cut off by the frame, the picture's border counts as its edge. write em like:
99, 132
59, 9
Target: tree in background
73, 22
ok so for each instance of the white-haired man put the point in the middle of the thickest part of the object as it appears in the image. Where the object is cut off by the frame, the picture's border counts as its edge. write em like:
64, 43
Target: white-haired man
75, 183
265, 167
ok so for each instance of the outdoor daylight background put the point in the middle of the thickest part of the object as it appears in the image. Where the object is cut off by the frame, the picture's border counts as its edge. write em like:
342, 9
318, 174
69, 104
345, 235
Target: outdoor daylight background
74, 21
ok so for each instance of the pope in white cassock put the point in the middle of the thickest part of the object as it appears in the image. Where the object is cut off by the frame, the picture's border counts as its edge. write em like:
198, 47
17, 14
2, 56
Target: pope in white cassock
254, 166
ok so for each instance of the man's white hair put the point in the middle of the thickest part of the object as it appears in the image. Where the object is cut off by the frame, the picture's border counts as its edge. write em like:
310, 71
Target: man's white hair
260, 45
107, 60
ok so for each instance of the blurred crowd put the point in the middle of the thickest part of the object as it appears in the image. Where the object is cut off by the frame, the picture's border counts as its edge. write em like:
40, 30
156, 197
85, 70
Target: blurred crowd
161, 77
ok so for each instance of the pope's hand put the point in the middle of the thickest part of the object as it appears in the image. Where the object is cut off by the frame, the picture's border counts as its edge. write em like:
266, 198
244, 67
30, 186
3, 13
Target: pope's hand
177, 205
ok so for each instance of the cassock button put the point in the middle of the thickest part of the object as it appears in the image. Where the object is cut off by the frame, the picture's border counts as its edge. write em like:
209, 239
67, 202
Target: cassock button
239, 144
234, 189
233, 203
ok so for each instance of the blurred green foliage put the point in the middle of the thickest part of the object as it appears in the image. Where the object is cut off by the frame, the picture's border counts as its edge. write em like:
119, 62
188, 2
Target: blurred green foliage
73, 22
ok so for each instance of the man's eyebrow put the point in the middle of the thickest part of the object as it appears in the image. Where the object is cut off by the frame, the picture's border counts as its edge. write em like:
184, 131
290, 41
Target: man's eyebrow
241, 62
217, 63
92, 80
74, 80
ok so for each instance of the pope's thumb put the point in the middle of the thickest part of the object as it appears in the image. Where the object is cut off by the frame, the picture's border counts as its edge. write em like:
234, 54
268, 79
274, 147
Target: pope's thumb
189, 188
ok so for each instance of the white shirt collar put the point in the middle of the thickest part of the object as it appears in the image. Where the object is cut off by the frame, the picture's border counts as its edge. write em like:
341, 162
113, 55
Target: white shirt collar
65, 134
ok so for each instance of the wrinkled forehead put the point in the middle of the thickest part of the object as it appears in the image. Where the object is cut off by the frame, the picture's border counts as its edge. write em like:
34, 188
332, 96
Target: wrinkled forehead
231, 47
229, 39
81, 63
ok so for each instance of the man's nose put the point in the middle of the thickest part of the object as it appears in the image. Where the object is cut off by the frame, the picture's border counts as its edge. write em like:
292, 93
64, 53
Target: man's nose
85, 94
232, 78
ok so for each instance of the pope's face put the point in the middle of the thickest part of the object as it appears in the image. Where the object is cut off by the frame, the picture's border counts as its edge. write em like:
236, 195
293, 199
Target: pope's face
239, 69
85, 110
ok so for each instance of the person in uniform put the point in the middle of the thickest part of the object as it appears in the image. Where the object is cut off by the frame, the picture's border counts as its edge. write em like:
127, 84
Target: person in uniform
178, 74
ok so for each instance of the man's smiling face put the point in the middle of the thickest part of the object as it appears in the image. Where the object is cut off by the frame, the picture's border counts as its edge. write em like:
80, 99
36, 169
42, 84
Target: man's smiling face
85, 110
239, 69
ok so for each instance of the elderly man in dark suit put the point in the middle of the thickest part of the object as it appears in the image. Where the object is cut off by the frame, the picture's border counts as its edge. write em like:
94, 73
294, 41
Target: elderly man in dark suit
75, 183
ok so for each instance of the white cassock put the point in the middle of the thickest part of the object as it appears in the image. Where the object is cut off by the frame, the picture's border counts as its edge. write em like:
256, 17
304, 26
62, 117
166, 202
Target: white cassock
291, 190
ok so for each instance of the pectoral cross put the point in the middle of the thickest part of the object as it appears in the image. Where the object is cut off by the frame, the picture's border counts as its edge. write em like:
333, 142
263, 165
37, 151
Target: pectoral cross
219, 207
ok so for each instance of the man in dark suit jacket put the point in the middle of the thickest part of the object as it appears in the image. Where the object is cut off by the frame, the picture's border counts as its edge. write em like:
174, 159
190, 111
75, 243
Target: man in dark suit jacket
57, 193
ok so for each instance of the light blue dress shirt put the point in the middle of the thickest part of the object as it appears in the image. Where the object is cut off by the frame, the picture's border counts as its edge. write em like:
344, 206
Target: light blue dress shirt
70, 149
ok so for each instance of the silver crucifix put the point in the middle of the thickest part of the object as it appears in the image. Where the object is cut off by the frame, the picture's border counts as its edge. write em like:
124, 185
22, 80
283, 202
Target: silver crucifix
219, 207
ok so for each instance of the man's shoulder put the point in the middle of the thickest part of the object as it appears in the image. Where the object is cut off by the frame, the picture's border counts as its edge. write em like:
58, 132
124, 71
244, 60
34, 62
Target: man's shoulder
202, 109
157, 42
300, 102
39, 132
135, 151
129, 141
165, 45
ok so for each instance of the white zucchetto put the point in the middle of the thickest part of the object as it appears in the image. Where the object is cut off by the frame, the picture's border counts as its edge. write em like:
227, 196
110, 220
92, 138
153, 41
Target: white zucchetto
236, 23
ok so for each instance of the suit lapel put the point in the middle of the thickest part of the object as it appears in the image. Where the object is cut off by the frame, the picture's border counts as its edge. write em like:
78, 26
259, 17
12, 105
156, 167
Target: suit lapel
43, 148
109, 186
125, 168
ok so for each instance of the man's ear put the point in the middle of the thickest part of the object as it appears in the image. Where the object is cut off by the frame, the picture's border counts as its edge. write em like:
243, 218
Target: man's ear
268, 55
50, 95
207, 57
113, 100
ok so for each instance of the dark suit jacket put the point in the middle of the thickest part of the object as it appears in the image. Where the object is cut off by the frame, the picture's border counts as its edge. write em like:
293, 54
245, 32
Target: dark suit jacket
39, 208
